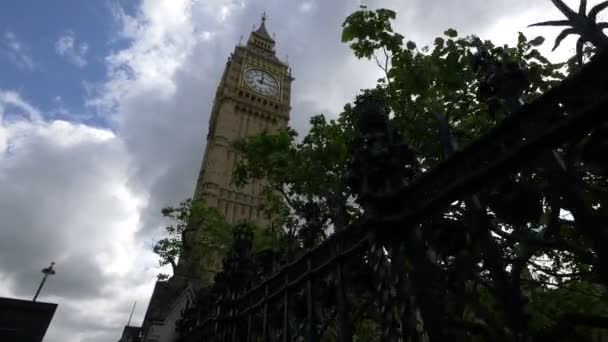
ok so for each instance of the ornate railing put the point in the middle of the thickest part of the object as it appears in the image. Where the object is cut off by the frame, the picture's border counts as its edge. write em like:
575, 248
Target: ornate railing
404, 293
567, 112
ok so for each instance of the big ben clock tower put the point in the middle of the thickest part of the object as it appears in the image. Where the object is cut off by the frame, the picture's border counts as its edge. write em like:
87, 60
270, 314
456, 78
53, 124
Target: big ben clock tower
253, 96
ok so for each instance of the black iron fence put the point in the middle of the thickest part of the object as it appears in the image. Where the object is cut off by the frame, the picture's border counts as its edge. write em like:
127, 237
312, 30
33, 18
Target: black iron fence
382, 278
286, 306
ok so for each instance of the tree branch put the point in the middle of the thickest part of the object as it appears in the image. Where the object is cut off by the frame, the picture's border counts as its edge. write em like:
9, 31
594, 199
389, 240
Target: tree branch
282, 192
555, 274
562, 286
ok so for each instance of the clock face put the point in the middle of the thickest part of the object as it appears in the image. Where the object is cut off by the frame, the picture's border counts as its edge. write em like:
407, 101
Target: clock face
262, 82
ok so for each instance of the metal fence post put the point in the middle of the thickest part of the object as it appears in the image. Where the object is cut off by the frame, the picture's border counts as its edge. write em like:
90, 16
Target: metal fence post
286, 336
344, 324
265, 335
310, 308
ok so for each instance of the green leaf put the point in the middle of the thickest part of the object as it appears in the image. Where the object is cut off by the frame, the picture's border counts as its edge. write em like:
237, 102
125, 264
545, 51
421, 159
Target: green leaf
439, 41
347, 34
537, 41
451, 33
521, 38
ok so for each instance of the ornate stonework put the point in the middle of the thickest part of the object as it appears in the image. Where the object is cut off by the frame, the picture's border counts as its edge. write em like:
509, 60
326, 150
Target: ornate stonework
253, 96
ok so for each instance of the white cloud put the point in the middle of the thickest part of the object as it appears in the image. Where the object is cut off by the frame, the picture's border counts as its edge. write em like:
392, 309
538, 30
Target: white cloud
307, 6
12, 100
153, 93
67, 46
66, 198
16, 51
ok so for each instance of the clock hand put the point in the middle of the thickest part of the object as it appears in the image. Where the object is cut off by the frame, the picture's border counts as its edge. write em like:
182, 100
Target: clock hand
269, 83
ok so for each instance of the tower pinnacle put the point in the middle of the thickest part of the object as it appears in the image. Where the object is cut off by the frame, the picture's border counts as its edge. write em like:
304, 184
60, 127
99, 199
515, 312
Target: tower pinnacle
261, 31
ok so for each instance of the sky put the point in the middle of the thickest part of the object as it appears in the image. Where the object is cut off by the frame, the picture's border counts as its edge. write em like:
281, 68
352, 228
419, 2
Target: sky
104, 107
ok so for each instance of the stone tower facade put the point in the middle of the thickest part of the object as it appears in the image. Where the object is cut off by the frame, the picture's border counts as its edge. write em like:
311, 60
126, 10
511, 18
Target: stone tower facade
253, 96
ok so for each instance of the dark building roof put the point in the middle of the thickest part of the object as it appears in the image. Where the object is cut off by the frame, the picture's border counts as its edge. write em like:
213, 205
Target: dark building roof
160, 296
24, 320
131, 334
262, 32
163, 296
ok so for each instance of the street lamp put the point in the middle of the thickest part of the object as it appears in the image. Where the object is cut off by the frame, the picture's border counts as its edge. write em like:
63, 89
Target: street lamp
47, 272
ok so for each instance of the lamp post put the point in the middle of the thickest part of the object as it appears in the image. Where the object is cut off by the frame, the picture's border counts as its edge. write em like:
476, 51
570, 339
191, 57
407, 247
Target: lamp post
47, 272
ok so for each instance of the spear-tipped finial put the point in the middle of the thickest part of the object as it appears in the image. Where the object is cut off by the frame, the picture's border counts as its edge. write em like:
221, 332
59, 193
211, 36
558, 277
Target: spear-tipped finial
264, 17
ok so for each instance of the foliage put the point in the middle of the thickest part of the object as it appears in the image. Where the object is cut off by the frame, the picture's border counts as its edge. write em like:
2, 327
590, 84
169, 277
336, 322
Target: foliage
458, 89
582, 23
443, 79
548, 304
197, 233
514, 260
200, 236
298, 174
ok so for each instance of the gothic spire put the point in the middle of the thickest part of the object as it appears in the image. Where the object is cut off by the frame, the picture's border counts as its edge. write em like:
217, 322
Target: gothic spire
261, 31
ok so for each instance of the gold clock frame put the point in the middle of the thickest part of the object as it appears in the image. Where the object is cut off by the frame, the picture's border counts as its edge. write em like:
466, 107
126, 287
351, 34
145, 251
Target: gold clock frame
244, 85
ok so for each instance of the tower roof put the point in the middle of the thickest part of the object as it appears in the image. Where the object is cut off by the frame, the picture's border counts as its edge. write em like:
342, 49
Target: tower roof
261, 31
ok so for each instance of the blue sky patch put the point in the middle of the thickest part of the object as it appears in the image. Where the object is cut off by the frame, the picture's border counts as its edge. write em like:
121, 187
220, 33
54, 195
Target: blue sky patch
49, 49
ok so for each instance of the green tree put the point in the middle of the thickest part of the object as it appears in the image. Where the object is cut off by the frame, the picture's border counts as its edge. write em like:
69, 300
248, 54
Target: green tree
196, 233
198, 238
443, 97
452, 92
298, 176
441, 81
